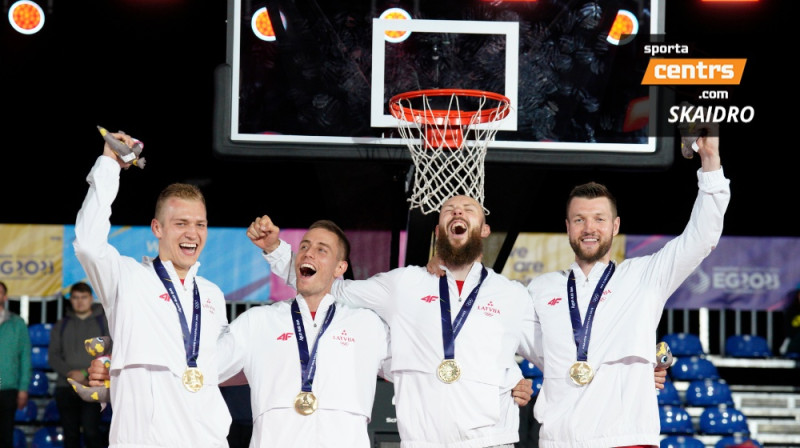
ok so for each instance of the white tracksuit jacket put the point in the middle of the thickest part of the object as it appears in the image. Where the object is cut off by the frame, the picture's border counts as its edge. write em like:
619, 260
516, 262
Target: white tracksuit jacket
477, 410
619, 407
151, 406
350, 357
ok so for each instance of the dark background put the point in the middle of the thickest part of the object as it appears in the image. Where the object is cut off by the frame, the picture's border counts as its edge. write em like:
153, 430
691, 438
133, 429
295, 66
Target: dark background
147, 67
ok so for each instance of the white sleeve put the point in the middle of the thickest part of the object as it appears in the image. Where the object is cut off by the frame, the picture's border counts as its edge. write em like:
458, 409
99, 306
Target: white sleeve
99, 259
373, 293
385, 370
376, 293
281, 263
673, 263
530, 346
232, 347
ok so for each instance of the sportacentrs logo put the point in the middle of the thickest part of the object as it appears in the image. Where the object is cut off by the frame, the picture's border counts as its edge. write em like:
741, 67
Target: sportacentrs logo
675, 67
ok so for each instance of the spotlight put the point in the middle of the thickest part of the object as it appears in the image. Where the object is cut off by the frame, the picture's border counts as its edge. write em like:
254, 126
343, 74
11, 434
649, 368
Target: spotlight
396, 14
262, 25
624, 28
26, 17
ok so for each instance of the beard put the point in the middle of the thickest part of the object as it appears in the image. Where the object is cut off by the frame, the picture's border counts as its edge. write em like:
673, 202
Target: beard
459, 256
603, 247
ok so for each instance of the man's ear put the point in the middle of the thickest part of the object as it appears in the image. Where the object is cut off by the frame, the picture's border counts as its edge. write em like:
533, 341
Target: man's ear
616, 226
485, 231
155, 226
341, 268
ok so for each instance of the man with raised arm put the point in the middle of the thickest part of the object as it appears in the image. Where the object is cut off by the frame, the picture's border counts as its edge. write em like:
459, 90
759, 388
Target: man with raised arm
312, 364
164, 318
597, 320
453, 338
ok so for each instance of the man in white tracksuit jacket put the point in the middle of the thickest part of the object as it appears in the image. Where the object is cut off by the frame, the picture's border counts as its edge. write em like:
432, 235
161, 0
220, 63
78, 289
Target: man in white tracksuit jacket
351, 348
476, 409
617, 408
152, 406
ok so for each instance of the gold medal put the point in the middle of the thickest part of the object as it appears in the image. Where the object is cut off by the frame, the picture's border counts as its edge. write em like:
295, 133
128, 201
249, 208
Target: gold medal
305, 403
581, 373
449, 371
192, 379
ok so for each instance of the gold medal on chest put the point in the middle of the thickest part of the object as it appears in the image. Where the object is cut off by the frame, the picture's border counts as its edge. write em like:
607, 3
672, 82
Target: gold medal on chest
581, 373
305, 403
449, 371
192, 379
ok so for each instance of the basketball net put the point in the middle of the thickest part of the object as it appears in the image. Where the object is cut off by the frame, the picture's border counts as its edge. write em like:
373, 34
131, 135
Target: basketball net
448, 145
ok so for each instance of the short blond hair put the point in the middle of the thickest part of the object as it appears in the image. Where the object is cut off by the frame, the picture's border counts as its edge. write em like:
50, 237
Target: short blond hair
187, 192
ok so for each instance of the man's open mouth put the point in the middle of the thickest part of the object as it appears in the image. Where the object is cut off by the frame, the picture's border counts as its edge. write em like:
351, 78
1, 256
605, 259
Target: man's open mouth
306, 270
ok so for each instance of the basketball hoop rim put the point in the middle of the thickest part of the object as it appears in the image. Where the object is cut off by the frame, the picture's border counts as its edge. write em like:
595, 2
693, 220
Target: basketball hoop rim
438, 117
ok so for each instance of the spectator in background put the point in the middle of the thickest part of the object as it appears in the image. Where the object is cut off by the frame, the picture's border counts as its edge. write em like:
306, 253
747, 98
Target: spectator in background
791, 318
15, 367
69, 358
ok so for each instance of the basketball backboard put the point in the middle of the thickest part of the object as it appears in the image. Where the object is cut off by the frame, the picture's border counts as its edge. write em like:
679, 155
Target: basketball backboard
318, 85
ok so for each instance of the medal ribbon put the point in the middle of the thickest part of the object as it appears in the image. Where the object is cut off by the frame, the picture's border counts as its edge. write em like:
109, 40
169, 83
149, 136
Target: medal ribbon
582, 333
191, 341
451, 330
308, 363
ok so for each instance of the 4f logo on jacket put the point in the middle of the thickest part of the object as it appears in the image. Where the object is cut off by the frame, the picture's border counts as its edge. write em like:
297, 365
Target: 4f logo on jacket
429, 299
285, 337
554, 302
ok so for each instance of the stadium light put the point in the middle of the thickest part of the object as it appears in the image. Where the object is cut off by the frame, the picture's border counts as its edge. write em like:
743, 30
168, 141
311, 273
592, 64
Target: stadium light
26, 17
624, 28
262, 25
396, 14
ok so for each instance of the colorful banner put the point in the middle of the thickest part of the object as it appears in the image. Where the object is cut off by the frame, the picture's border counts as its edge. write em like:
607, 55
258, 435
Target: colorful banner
744, 273
30, 258
747, 273
229, 259
365, 260
537, 253
232, 261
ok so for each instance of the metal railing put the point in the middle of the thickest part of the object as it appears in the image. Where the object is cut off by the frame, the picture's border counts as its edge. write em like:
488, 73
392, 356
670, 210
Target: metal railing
712, 326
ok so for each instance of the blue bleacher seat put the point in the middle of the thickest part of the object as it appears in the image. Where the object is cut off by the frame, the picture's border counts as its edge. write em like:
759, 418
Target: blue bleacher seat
48, 437
40, 384
19, 439
747, 346
675, 420
681, 442
737, 441
684, 344
693, 368
669, 395
537, 385
723, 420
27, 414
708, 392
529, 370
40, 334
51, 414
39, 358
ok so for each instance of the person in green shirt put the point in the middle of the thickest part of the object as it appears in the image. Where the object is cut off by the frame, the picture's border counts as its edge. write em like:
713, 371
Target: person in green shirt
15, 370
